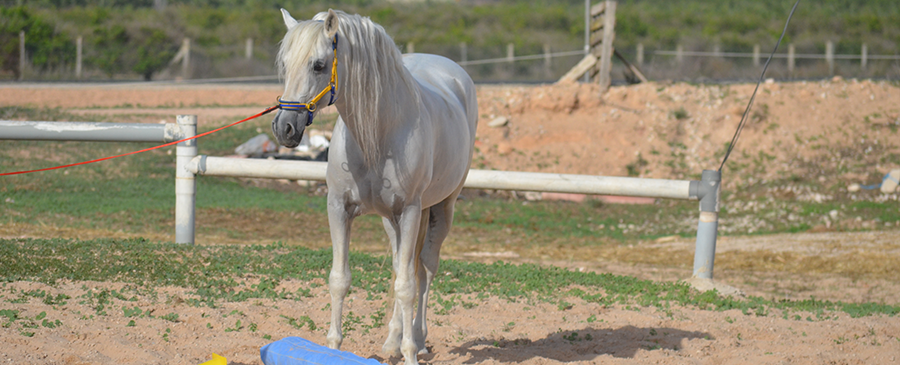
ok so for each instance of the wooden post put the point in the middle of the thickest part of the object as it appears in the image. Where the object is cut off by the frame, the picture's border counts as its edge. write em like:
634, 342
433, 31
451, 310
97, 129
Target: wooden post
791, 53
640, 54
21, 55
717, 50
510, 53
864, 60
186, 61
248, 49
679, 54
410, 47
463, 52
829, 57
78, 56
603, 33
756, 55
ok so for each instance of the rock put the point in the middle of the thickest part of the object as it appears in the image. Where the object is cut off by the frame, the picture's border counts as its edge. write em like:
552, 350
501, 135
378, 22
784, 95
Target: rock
704, 285
498, 122
853, 188
837, 79
891, 181
504, 148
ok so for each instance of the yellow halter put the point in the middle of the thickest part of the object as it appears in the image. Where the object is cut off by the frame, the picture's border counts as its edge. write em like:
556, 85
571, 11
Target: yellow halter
311, 105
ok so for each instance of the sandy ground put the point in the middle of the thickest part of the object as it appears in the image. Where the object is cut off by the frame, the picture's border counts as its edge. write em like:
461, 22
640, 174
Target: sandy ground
676, 130
493, 331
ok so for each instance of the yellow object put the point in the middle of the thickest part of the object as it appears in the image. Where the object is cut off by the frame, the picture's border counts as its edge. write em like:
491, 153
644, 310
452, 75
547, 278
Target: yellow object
216, 360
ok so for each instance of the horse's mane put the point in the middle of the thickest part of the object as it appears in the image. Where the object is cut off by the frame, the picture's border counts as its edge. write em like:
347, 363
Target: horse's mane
374, 65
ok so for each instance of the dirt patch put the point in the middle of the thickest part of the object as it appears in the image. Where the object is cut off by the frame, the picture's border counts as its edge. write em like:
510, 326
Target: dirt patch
830, 132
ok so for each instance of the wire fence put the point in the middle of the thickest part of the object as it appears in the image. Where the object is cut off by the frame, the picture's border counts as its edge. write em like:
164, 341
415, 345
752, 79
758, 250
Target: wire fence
249, 62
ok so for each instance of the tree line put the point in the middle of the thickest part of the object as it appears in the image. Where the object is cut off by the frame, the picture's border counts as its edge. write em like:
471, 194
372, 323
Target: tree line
141, 36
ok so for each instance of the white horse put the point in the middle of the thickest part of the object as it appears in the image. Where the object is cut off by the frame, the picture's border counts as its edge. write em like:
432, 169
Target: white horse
401, 149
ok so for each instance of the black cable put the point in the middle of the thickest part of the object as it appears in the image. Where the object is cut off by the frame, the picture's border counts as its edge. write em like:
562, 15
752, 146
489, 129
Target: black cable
737, 133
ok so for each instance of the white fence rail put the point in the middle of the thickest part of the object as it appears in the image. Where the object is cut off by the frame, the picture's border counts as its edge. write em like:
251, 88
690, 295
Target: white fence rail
189, 164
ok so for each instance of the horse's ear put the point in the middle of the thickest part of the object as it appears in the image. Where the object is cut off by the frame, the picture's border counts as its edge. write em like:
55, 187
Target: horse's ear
289, 21
331, 24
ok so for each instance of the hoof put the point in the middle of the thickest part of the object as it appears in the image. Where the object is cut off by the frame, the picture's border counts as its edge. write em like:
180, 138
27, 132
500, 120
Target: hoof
391, 349
333, 344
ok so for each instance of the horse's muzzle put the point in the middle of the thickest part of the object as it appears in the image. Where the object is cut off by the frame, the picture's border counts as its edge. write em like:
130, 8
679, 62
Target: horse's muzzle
288, 127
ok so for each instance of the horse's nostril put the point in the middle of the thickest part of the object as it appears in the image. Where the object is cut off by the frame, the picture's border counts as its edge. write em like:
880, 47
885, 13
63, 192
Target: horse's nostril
288, 130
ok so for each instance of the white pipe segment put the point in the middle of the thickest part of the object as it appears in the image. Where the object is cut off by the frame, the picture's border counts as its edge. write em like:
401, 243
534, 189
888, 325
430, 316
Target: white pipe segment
478, 179
578, 184
89, 131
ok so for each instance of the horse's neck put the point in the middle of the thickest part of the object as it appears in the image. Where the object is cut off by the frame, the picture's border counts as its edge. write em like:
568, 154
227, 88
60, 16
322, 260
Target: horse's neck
397, 105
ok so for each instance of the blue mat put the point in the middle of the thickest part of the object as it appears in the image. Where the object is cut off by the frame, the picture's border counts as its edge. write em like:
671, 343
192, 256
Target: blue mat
297, 350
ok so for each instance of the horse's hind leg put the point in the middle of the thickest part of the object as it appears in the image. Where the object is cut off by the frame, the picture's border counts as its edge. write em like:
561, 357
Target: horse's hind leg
439, 221
339, 219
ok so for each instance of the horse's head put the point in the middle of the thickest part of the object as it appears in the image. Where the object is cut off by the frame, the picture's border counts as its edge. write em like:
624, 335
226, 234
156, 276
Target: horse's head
307, 63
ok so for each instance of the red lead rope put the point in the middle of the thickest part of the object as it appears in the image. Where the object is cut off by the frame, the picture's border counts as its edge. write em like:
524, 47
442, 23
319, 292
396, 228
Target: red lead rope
146, 149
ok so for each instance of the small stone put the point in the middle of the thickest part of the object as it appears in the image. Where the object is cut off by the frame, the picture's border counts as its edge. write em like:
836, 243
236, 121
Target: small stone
498, 122
837, 79
853, 188
504, 148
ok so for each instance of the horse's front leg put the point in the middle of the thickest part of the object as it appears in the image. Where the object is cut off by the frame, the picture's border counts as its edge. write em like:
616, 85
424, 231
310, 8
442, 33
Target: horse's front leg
340, 218
405, 286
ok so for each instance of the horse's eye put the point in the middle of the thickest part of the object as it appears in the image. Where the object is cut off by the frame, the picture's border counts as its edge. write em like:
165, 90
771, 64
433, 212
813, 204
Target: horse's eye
319, 66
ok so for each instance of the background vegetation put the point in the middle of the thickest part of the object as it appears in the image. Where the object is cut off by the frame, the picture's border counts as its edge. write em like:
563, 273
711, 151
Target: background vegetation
219, 29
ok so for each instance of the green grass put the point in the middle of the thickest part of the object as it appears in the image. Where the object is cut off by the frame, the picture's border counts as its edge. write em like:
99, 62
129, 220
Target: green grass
217, 274
135, 195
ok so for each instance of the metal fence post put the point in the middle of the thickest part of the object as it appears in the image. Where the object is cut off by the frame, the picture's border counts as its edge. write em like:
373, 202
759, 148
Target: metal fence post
864, 60
790, 60
640, 54
185, 185
21, 55
756, 55
707, 229
79, 42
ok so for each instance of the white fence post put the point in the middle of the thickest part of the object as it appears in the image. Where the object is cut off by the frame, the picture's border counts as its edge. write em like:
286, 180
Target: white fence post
248, 49
78, 56
679, 54
707, 229
410, 47
510, 53
185, 184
